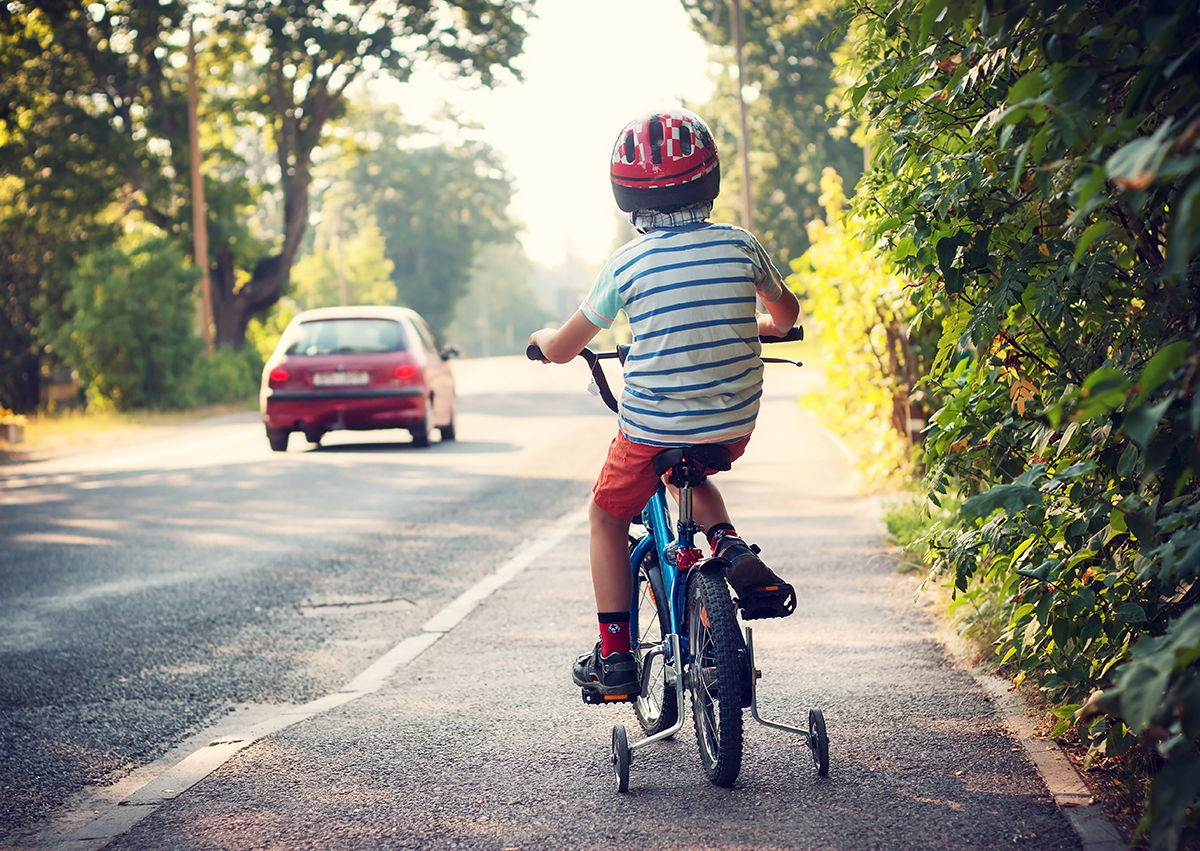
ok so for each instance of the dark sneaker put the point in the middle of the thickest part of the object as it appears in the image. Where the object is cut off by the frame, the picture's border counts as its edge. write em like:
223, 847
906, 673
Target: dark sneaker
615, 674
760, 592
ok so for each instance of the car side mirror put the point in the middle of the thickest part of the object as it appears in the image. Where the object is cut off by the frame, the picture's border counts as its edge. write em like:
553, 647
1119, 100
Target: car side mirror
448, 352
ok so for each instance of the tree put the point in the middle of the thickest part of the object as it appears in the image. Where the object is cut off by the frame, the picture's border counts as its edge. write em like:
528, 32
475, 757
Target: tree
500, 308
106, 98
53, 191
314, 52
796, 128
436, 206
349, 258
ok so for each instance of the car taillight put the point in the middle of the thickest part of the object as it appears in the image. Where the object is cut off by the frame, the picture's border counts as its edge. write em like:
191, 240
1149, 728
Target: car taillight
278, 375
406, 371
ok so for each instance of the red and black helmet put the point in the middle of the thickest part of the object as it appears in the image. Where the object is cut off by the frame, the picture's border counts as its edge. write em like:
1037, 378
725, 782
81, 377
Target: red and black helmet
665, 159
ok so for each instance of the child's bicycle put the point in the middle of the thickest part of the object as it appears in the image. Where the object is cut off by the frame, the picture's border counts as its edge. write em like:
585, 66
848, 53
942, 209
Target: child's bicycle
685, 623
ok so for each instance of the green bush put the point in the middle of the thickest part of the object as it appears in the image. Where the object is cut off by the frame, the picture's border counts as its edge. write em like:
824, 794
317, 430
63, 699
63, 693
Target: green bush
225, 376
126, 325
1036, 176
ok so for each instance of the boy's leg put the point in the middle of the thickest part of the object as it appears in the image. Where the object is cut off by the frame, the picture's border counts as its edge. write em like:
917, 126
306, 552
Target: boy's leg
747, 573
610, 668
612, 579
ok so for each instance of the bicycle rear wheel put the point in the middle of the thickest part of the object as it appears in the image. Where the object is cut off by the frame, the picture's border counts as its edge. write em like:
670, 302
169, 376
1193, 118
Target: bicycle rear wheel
658, 706
714, 675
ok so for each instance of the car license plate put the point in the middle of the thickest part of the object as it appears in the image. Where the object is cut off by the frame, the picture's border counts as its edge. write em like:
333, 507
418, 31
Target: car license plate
340, 379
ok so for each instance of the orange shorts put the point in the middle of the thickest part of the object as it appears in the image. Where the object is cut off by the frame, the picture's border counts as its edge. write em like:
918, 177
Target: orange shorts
627, 479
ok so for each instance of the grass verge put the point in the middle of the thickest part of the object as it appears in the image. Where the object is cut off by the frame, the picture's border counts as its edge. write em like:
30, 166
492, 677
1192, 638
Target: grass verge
47, 435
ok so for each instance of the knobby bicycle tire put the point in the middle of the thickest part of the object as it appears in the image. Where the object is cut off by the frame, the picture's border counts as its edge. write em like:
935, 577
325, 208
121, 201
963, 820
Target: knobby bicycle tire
657, 708
714, 674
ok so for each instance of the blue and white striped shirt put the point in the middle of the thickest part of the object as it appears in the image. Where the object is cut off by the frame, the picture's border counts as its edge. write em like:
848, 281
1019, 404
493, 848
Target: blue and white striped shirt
694, 373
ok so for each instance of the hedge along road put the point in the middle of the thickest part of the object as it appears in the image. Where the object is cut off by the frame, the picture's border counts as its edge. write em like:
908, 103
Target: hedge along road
195, 592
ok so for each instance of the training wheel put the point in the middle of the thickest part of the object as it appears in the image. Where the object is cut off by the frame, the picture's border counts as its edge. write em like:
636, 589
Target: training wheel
818, 740
620, 757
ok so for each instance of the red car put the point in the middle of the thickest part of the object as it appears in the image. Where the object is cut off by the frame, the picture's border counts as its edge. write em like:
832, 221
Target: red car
357, 368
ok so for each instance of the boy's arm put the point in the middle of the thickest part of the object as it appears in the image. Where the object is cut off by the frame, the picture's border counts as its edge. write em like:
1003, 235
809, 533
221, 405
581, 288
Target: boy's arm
561, 344
780, 316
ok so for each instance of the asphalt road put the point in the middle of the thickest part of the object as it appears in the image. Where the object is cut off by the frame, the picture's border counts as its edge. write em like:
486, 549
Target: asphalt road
195, 582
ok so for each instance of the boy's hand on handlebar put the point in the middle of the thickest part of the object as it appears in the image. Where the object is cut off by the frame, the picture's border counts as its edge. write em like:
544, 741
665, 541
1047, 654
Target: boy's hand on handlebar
560, 345
536, 344
768, 328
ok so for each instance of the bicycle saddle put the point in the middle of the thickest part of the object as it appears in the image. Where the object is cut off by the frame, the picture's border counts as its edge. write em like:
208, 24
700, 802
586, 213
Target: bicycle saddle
704, 456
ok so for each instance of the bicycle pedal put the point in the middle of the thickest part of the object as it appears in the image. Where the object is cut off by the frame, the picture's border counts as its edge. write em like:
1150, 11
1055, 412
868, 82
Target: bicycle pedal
771, 601
594, 698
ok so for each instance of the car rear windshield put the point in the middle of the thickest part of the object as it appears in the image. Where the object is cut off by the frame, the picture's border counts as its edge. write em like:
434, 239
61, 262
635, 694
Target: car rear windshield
345, 337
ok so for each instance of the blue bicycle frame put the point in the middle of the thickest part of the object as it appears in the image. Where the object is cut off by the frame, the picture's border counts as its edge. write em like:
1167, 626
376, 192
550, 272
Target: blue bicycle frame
656, 517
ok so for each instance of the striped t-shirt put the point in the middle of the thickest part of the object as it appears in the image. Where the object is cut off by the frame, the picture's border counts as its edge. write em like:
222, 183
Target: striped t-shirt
693, 374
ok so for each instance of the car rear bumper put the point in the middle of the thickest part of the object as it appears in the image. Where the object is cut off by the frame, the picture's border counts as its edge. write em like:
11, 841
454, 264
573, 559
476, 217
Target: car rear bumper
343, 393
356, 408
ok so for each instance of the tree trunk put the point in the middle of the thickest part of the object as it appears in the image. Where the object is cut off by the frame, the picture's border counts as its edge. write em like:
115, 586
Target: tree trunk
233, 310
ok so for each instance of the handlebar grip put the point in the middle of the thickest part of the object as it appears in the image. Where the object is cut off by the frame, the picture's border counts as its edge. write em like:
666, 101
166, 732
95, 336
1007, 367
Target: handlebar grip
534, 353
794, 335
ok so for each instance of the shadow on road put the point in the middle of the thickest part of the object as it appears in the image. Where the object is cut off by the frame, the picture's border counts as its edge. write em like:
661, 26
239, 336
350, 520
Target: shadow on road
456, 447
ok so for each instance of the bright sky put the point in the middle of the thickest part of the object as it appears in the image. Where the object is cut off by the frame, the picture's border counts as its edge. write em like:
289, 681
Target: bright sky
589, 66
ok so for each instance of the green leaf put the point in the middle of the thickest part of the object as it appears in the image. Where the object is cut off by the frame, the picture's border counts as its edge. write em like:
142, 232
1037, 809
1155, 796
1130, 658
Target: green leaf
1128, 461
930, 15
1093, 233
1075, 471
1143, 685
1141, 158
1102, 392
1139, 425
1130, 613
1013, 497
1029, 86
1159, 368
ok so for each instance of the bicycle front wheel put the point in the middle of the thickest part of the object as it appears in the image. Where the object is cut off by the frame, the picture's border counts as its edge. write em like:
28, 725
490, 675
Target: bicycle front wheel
658, 707
714, 675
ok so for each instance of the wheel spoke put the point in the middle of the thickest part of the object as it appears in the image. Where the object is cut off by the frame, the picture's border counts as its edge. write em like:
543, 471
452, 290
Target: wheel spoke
657, 707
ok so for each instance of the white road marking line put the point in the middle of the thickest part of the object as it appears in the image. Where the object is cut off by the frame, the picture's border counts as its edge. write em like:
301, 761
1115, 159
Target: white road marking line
118, 818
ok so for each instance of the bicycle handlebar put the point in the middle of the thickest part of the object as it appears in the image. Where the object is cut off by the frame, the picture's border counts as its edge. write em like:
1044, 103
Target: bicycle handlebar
793, 335
601, 381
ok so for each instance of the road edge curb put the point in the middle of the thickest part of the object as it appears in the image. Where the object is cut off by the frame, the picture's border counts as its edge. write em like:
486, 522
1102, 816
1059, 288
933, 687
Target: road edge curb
1087, 817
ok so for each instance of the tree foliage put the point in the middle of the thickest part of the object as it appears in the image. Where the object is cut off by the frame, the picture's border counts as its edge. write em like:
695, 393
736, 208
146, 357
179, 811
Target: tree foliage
436, 206
499, 306
793, 122
349, 249
1036, 171
871, 362
94, 111
129, 332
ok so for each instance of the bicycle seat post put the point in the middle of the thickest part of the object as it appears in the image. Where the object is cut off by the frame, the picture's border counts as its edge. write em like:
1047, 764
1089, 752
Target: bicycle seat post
685, 510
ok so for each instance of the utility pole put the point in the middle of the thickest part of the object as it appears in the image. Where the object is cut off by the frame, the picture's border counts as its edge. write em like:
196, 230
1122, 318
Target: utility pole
343, 294
743, 136
199, 212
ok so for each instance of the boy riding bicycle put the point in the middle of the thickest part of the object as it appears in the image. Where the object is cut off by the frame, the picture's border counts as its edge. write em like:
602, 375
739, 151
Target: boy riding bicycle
693, 374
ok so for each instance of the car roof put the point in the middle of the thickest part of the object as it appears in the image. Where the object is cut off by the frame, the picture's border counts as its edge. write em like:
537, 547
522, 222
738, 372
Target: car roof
358, 312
